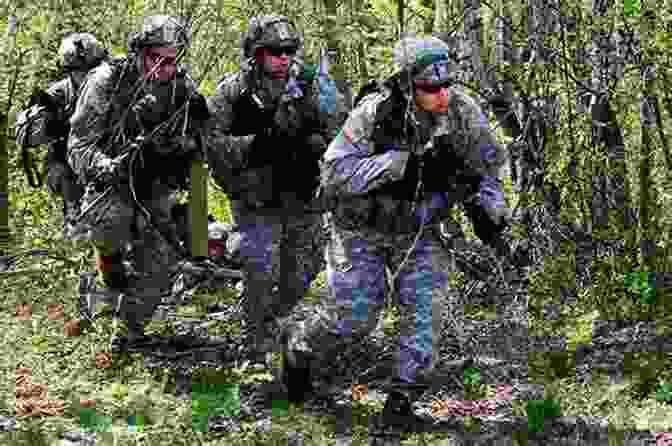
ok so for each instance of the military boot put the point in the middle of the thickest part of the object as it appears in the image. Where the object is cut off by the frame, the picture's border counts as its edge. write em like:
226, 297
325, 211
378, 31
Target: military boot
129, 336
111, 270
295, 372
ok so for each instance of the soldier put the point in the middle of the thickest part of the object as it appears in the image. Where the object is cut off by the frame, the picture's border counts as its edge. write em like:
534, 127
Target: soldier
402, 159
79, 53
270, 125
133, 136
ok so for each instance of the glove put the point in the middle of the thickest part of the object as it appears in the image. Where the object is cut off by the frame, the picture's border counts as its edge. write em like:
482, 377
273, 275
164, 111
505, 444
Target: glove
484, 227
444, 170
174, 145
249, 117
198, 108
110, 170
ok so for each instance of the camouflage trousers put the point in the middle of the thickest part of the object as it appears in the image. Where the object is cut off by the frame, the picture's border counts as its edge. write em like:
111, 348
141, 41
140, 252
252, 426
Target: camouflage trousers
61, 181
282, 251
356, 262
115, 224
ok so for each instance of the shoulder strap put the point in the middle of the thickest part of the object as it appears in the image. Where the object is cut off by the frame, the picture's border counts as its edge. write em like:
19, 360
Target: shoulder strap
372, 86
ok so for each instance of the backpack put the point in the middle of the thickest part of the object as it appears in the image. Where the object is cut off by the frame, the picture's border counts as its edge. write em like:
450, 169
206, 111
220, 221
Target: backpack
37, 125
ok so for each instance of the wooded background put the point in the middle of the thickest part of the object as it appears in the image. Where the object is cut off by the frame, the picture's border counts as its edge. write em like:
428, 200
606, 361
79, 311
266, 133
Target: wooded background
587, 82
578, 92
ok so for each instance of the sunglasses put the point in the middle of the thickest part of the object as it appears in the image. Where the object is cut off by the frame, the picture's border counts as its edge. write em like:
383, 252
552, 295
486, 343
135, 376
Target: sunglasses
279, 51
430, 89
157, 58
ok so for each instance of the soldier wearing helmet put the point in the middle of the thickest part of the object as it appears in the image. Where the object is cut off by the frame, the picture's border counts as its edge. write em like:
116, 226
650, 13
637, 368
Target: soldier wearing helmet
47, 121
268, 129
405, 155
134, 133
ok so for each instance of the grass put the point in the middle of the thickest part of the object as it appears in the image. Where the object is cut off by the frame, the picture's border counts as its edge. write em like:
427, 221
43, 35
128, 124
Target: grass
67, 365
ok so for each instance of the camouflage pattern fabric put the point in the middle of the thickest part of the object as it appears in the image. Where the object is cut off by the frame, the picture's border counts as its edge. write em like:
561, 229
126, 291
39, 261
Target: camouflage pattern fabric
355, 171
282, 253
267, 159
354, 165
60, 177
122, 225
103, 124
356, 262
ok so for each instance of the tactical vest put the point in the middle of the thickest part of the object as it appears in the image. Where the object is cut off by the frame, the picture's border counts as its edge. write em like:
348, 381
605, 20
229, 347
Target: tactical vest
170, 168
45, 122
288, 160
378, 209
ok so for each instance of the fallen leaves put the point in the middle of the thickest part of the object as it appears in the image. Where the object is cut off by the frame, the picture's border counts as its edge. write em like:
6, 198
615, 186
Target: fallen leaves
103, 360
55, 312
31, 398
359, 392
87, 403
24, 312
73, 328
663, 438
504, 393
463, 408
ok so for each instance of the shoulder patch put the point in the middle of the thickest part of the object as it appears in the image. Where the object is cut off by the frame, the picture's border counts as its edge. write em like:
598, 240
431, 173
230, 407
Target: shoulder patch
359, 124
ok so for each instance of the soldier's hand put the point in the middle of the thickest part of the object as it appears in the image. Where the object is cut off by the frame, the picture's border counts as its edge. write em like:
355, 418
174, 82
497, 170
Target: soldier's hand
111, 169
198, 108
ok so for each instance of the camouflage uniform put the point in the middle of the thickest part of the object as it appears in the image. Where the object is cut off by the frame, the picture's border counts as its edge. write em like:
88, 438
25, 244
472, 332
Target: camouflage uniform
79, 52
265, 140
116, 106
370, 175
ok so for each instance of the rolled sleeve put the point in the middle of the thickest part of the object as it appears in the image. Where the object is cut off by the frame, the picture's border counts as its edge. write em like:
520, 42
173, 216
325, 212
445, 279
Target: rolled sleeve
350, 165
225, 151
88, 123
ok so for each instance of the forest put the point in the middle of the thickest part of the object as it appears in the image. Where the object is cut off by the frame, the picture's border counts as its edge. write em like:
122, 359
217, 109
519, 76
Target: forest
571, 345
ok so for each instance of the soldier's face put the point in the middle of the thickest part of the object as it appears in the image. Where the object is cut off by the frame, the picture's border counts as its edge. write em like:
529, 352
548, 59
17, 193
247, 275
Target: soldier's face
433, 99
160, 64
275, 61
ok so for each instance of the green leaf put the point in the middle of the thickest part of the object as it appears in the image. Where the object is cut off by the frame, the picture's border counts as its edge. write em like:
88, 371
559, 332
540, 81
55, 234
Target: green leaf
472, 377
39, 24
539, 410
40, 344
664, 392
632, 8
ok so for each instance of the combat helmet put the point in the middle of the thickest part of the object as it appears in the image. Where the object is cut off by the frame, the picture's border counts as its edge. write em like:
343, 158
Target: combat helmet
269, 30
162, 31
425, 58
81, 51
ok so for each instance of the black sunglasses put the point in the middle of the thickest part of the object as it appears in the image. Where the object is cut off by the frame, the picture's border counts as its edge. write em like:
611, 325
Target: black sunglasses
279, 51
430, 89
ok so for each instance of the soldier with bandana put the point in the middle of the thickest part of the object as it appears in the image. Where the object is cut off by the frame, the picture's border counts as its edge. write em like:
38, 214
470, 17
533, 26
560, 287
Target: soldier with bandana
270, 125
134, 133
47, 122
403, 158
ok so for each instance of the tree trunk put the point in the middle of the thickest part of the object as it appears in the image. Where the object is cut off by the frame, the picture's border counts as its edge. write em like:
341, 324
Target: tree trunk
647, 197
4, 187
4, 155
440, 16
336, 66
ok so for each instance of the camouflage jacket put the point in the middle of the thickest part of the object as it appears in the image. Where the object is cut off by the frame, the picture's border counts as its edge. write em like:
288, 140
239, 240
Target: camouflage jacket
63, 95
105, 123
286, 162
371, 151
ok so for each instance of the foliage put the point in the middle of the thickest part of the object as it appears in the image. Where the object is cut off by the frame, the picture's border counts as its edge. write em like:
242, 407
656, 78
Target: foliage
366, 32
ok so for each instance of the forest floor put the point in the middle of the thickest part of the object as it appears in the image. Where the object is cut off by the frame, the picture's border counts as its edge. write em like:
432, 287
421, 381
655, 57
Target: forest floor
77, 386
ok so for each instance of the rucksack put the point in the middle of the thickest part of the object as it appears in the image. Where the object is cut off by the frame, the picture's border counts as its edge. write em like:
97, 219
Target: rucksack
36, 126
